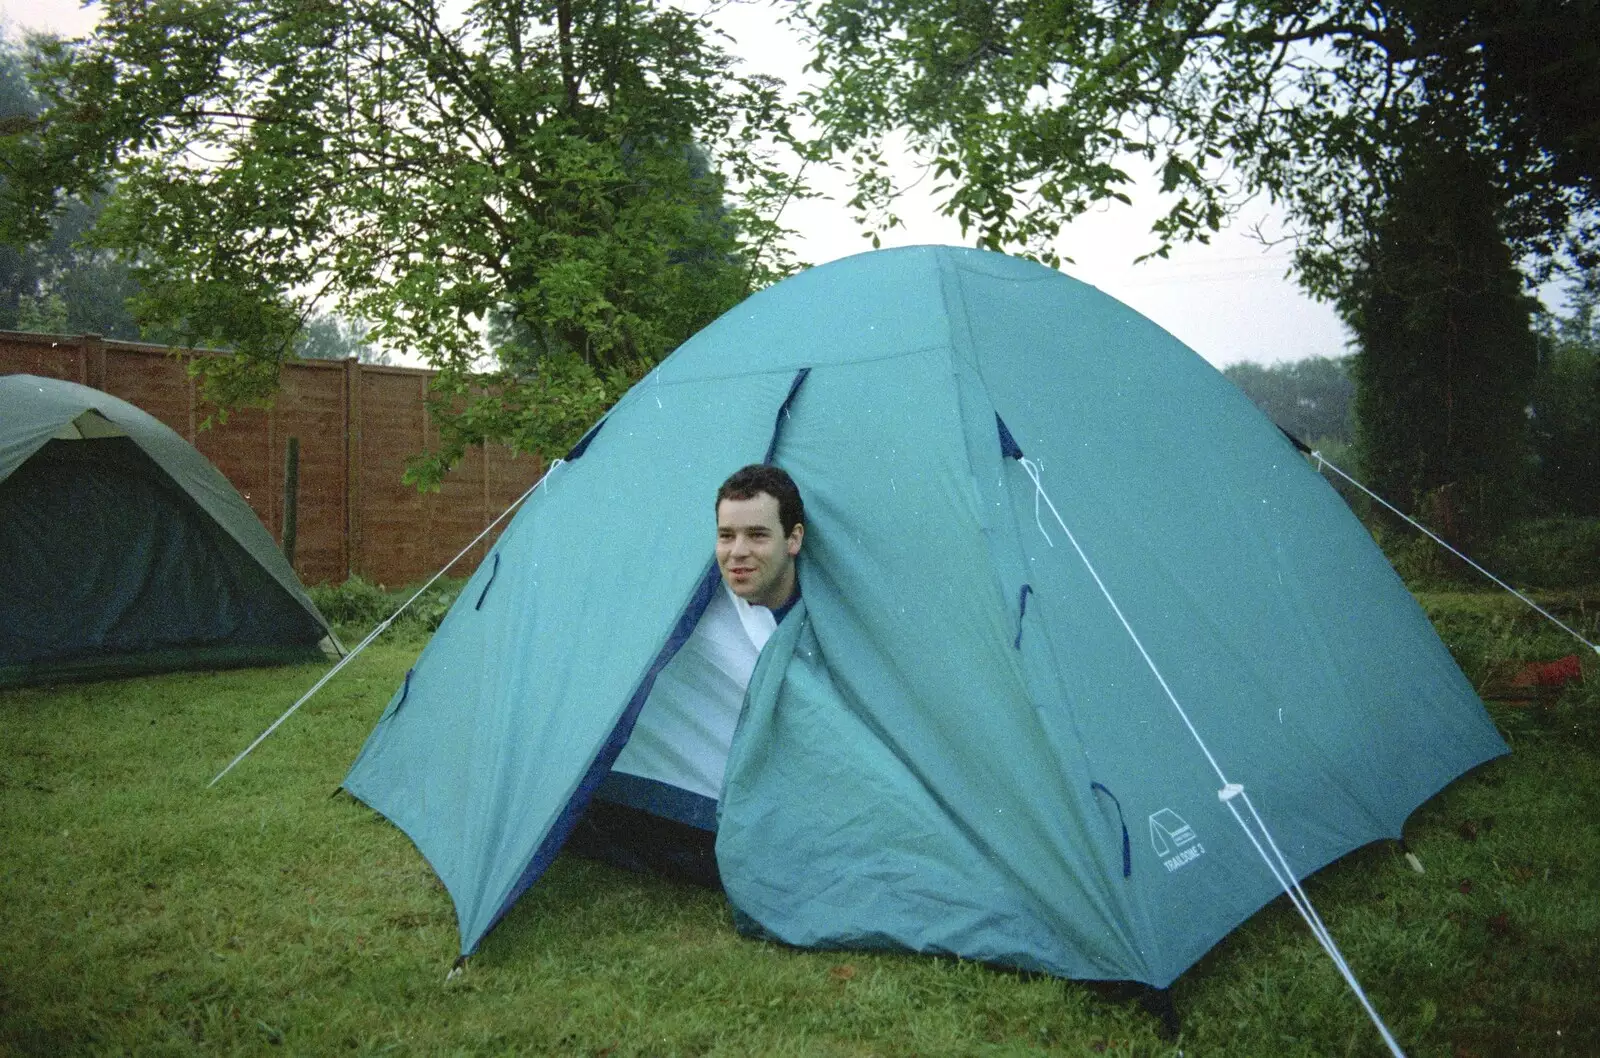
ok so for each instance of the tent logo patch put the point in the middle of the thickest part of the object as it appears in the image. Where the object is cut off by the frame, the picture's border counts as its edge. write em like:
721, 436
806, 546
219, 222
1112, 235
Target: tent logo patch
1173, 839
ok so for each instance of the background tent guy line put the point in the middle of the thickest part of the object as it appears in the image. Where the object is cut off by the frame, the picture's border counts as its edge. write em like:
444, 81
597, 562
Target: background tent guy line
950, 745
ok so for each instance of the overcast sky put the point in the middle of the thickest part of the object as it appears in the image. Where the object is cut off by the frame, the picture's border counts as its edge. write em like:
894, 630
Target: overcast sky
1229, 301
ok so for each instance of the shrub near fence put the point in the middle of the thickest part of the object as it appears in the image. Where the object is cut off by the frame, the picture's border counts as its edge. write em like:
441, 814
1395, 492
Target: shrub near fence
357, 425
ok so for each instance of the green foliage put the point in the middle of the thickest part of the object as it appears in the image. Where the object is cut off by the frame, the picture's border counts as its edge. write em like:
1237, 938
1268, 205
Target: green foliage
357, 606
1566, 405
18, 101
328, 337
545, 409
141, 913
1552, 553
357, 602
1446, 354
55, 282
96, 287
1310, 398
45, 314
420, 166
1489, 632
1494, 635
1566, 427
19, 263
1030, 113
1532, 554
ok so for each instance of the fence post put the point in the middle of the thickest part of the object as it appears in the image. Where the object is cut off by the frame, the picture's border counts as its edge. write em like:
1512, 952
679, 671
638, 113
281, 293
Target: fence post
291, 497
193, 385
352, 466
92, 350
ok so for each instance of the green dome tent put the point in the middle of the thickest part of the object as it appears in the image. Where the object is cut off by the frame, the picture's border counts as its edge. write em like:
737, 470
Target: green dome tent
124, 550
952, 744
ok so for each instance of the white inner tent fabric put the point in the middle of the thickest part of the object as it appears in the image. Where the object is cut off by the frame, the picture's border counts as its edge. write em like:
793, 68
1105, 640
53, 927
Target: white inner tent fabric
686, 726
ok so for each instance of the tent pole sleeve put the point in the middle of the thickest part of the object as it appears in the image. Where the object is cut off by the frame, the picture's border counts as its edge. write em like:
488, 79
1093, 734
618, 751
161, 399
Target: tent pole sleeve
783, 412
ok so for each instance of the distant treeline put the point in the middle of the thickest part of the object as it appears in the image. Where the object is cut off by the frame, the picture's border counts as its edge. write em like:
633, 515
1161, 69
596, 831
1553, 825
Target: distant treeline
1313, 399
1309, 398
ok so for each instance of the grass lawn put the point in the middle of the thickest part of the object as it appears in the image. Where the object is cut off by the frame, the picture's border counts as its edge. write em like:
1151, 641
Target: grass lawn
141, 913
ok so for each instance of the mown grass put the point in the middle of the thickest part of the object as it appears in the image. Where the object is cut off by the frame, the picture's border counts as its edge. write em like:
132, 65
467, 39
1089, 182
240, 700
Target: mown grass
143, 914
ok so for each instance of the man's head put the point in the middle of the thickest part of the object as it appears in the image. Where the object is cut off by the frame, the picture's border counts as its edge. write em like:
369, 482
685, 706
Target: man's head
760, 525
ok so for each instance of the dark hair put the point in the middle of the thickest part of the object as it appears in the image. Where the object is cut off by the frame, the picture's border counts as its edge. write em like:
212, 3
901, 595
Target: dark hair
749, 482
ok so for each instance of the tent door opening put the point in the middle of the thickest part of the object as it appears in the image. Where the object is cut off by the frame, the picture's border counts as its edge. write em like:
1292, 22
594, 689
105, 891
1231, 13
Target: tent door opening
656, 811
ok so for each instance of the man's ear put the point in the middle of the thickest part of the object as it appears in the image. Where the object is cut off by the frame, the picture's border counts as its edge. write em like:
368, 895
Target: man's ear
796, 536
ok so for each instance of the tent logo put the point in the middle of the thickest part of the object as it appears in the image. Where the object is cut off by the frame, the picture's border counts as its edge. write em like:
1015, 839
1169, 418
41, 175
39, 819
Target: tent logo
1173, 839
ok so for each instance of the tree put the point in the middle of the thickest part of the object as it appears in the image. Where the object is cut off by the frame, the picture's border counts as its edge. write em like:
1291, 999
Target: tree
19, 272
1310, 398
1566, 404
1446, 353
327, 337
94, 286
54, 282
1028, 112
536, 158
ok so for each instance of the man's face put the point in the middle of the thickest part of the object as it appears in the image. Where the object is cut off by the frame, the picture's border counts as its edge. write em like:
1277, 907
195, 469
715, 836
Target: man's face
754, 555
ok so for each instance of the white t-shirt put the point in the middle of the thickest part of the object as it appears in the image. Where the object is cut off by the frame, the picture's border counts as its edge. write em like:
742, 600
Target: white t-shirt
685, 729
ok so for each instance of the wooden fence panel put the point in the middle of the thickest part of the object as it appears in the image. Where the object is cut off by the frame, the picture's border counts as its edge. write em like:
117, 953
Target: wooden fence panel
397, 530
146, 379
310, 406
42, 354
358, 424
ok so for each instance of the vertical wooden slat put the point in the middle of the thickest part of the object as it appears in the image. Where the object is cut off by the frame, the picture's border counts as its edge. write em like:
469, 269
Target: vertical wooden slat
92, 349
488, 505
271, 461
422, 395
289, 538
352, 467
194, 398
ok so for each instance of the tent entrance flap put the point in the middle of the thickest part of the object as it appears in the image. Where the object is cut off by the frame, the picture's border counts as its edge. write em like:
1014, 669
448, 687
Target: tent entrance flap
561, 829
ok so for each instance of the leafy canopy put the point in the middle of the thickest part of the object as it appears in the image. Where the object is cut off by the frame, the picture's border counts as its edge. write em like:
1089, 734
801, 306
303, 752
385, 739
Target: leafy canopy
1310, 398
328, 337
1446, 353
1565, 405
52, 282
592, 170
1028, 111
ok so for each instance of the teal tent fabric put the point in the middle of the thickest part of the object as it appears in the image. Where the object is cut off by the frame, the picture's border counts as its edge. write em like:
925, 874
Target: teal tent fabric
126, 551
952, 744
